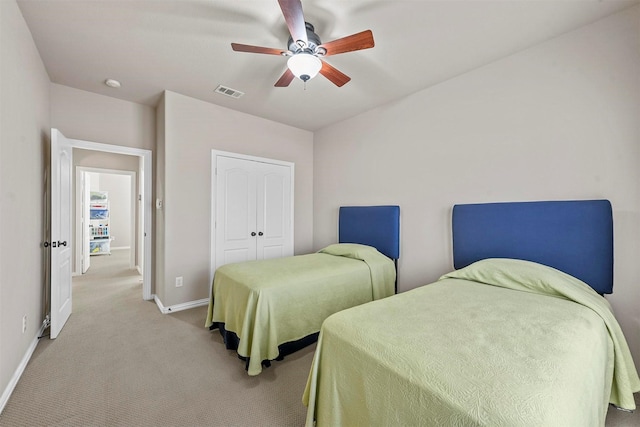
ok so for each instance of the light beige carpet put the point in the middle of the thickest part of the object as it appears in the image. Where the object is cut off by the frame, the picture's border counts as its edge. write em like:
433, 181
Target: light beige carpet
120, 362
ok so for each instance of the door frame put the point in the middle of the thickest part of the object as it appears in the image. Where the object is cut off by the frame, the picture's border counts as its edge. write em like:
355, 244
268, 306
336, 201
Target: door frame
83, 204
212, 227
80, 232
145, 175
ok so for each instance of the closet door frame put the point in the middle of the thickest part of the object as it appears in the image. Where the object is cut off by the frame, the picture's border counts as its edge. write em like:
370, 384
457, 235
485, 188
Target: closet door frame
214, 161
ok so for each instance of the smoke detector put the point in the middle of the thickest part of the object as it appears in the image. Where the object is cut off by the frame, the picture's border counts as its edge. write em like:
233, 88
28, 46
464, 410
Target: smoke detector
112, 83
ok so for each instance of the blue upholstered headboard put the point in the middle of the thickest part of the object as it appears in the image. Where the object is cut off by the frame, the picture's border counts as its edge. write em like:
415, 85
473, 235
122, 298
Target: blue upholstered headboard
377, 226
572, 236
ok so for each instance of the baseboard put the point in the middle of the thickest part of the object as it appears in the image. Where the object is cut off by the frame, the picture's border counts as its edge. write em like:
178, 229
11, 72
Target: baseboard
179, 307
20, 370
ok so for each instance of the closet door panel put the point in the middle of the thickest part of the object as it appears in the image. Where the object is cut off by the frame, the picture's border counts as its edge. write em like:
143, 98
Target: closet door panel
235, 211
274, 212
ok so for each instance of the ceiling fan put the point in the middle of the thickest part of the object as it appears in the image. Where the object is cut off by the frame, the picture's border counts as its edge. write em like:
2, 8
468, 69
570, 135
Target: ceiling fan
306, 50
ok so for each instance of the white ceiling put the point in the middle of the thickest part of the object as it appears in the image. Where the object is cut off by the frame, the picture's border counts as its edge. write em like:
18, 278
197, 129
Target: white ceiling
184, 46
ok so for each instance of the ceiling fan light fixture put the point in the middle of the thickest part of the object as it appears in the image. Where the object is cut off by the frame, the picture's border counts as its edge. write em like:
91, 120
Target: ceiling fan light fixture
304, 65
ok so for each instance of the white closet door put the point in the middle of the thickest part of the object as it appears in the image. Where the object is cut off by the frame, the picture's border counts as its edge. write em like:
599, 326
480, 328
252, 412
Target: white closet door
274, 211
235, 211
253, 209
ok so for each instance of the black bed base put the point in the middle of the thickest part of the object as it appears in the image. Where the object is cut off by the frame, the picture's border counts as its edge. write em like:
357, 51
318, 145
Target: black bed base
231, 341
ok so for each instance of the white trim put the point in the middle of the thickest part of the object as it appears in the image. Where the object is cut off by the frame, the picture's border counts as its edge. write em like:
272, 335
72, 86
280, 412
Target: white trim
146, 177
78, 226
180, 307
252, 158
212, 223
20, 369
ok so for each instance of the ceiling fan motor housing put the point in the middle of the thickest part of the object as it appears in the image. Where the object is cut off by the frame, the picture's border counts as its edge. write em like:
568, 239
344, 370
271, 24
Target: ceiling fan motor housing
312, 44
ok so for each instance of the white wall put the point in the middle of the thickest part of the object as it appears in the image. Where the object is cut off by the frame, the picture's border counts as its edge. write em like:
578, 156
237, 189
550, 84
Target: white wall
193, 128
557, 121
79, 114
24, 158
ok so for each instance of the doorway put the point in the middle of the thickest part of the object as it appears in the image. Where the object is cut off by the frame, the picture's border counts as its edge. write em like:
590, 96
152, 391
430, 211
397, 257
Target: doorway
121, 230
143, 195
60, 291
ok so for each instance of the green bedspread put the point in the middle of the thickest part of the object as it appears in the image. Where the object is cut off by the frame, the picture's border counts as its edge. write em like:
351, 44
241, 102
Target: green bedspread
272, 302
536, 347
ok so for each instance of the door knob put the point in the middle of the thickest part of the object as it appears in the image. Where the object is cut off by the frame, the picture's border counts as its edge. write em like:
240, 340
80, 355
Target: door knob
253, 233
260, 233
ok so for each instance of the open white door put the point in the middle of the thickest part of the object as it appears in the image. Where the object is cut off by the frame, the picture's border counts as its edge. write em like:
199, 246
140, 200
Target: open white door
61, 169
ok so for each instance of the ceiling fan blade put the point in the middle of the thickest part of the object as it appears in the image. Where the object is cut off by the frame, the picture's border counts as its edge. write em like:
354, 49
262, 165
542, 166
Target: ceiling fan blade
362, 40
256, 49
292, 11
337, 77
285, 79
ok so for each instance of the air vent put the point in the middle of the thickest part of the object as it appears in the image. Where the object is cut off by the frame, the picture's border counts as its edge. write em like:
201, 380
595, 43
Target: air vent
229, 92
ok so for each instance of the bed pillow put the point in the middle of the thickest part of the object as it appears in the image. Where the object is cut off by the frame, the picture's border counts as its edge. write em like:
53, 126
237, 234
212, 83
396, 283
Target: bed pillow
350, 250
381, 268
521, 275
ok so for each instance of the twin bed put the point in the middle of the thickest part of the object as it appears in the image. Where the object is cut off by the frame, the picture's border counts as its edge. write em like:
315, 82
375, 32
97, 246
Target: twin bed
513, 337
518, 335
270, 308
